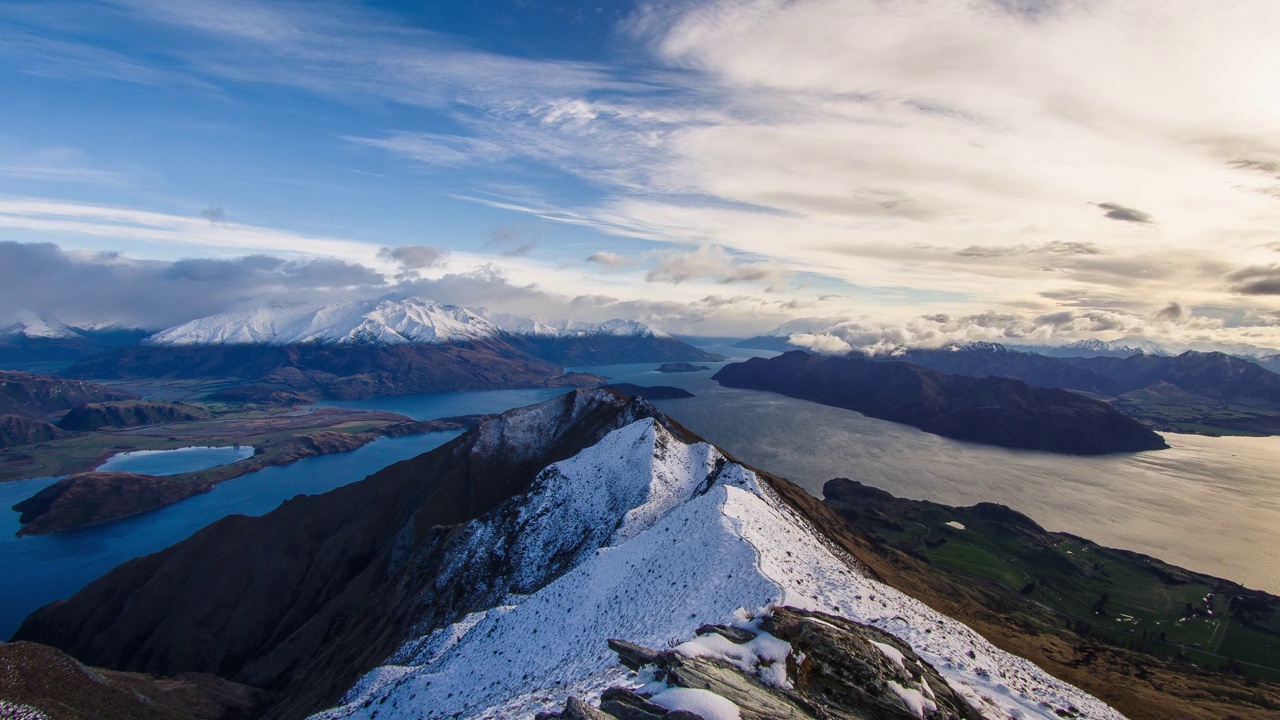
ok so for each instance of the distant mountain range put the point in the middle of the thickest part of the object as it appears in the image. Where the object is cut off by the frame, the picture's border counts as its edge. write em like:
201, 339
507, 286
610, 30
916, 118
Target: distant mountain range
352, 349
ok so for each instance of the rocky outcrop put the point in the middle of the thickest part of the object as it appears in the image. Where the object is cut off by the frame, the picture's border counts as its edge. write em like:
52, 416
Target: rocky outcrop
36, 396
788, 665
681, 367
653, 392
991, 410
97, 497
21, 430
344, 372
128, 413
50, 685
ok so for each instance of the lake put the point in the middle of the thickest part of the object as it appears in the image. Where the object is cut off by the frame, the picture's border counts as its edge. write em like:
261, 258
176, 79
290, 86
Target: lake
39, 569
1208, 504
175, 461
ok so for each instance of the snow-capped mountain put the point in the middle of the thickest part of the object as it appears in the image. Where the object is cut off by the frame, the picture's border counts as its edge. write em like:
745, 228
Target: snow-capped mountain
385, 321
646, 537
1093, 347
35, 325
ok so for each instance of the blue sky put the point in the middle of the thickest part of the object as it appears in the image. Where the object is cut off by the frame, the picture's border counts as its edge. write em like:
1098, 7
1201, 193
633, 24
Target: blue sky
916, 170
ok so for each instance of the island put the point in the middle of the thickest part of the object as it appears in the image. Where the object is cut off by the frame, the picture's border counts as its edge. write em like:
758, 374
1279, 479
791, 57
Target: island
652, 392
681, 367
991, 410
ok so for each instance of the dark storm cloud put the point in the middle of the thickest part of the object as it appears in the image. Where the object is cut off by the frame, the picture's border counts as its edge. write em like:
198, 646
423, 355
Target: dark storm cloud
1172, 311
1125, 214
1256, 280
85, 288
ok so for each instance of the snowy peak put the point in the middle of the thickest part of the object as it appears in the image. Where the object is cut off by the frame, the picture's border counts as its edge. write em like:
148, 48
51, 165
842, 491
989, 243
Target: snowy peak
386, 321
34, 325
646, 537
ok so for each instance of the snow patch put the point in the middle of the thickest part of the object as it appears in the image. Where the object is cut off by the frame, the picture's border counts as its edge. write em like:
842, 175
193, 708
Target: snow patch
699, 702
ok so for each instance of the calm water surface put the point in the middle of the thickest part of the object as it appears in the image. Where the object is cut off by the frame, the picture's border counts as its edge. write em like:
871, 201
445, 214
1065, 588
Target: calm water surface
1207, 504
176, 461
41, 568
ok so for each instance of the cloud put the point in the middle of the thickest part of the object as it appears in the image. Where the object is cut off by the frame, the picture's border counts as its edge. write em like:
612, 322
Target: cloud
157, 294
676, 266
610, 260
1126, 214
415, 257
1256, 280
1173, 311
511, 242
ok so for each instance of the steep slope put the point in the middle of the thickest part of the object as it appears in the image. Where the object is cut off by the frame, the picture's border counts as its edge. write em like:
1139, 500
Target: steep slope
128, 413
993, 410
39, 395
384, 321
1213, 375
489, 574
96, 497
985, 359
314, 593
21, 430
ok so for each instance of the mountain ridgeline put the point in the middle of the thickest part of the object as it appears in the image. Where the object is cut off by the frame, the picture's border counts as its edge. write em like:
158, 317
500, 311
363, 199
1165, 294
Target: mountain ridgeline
485, 579
1191, 392
992, 410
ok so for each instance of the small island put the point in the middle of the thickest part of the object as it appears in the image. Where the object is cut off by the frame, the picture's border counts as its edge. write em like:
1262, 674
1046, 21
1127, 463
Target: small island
681, 367
652, 392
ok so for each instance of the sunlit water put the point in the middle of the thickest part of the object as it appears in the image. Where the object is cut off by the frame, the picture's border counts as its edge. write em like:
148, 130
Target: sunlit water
176, 461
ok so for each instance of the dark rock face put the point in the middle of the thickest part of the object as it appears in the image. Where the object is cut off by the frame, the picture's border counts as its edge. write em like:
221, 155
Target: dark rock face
39, 395
306, 599
344, 372
996, 411
50, 682
128, 413
96, 497
681, 367
20, 351
985, 359
836, 668
20, 430
653, 392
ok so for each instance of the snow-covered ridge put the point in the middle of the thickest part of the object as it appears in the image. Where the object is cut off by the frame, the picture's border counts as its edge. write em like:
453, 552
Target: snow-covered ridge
385, 321
644, 537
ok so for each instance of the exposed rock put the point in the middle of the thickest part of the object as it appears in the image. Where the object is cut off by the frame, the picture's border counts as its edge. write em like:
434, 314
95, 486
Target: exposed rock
57, 687
40, 395
681, 367
20, 430
992, 410
653, 392
835, 668
128, 413
96, 497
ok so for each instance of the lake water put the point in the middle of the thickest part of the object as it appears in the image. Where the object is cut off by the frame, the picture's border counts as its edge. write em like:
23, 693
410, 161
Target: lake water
176, 461
39, 569
1209, 504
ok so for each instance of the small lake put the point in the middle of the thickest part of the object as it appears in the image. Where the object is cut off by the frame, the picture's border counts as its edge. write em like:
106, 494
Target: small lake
176, 461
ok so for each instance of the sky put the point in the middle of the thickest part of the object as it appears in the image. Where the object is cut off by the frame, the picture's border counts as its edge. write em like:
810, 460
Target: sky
907, 171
